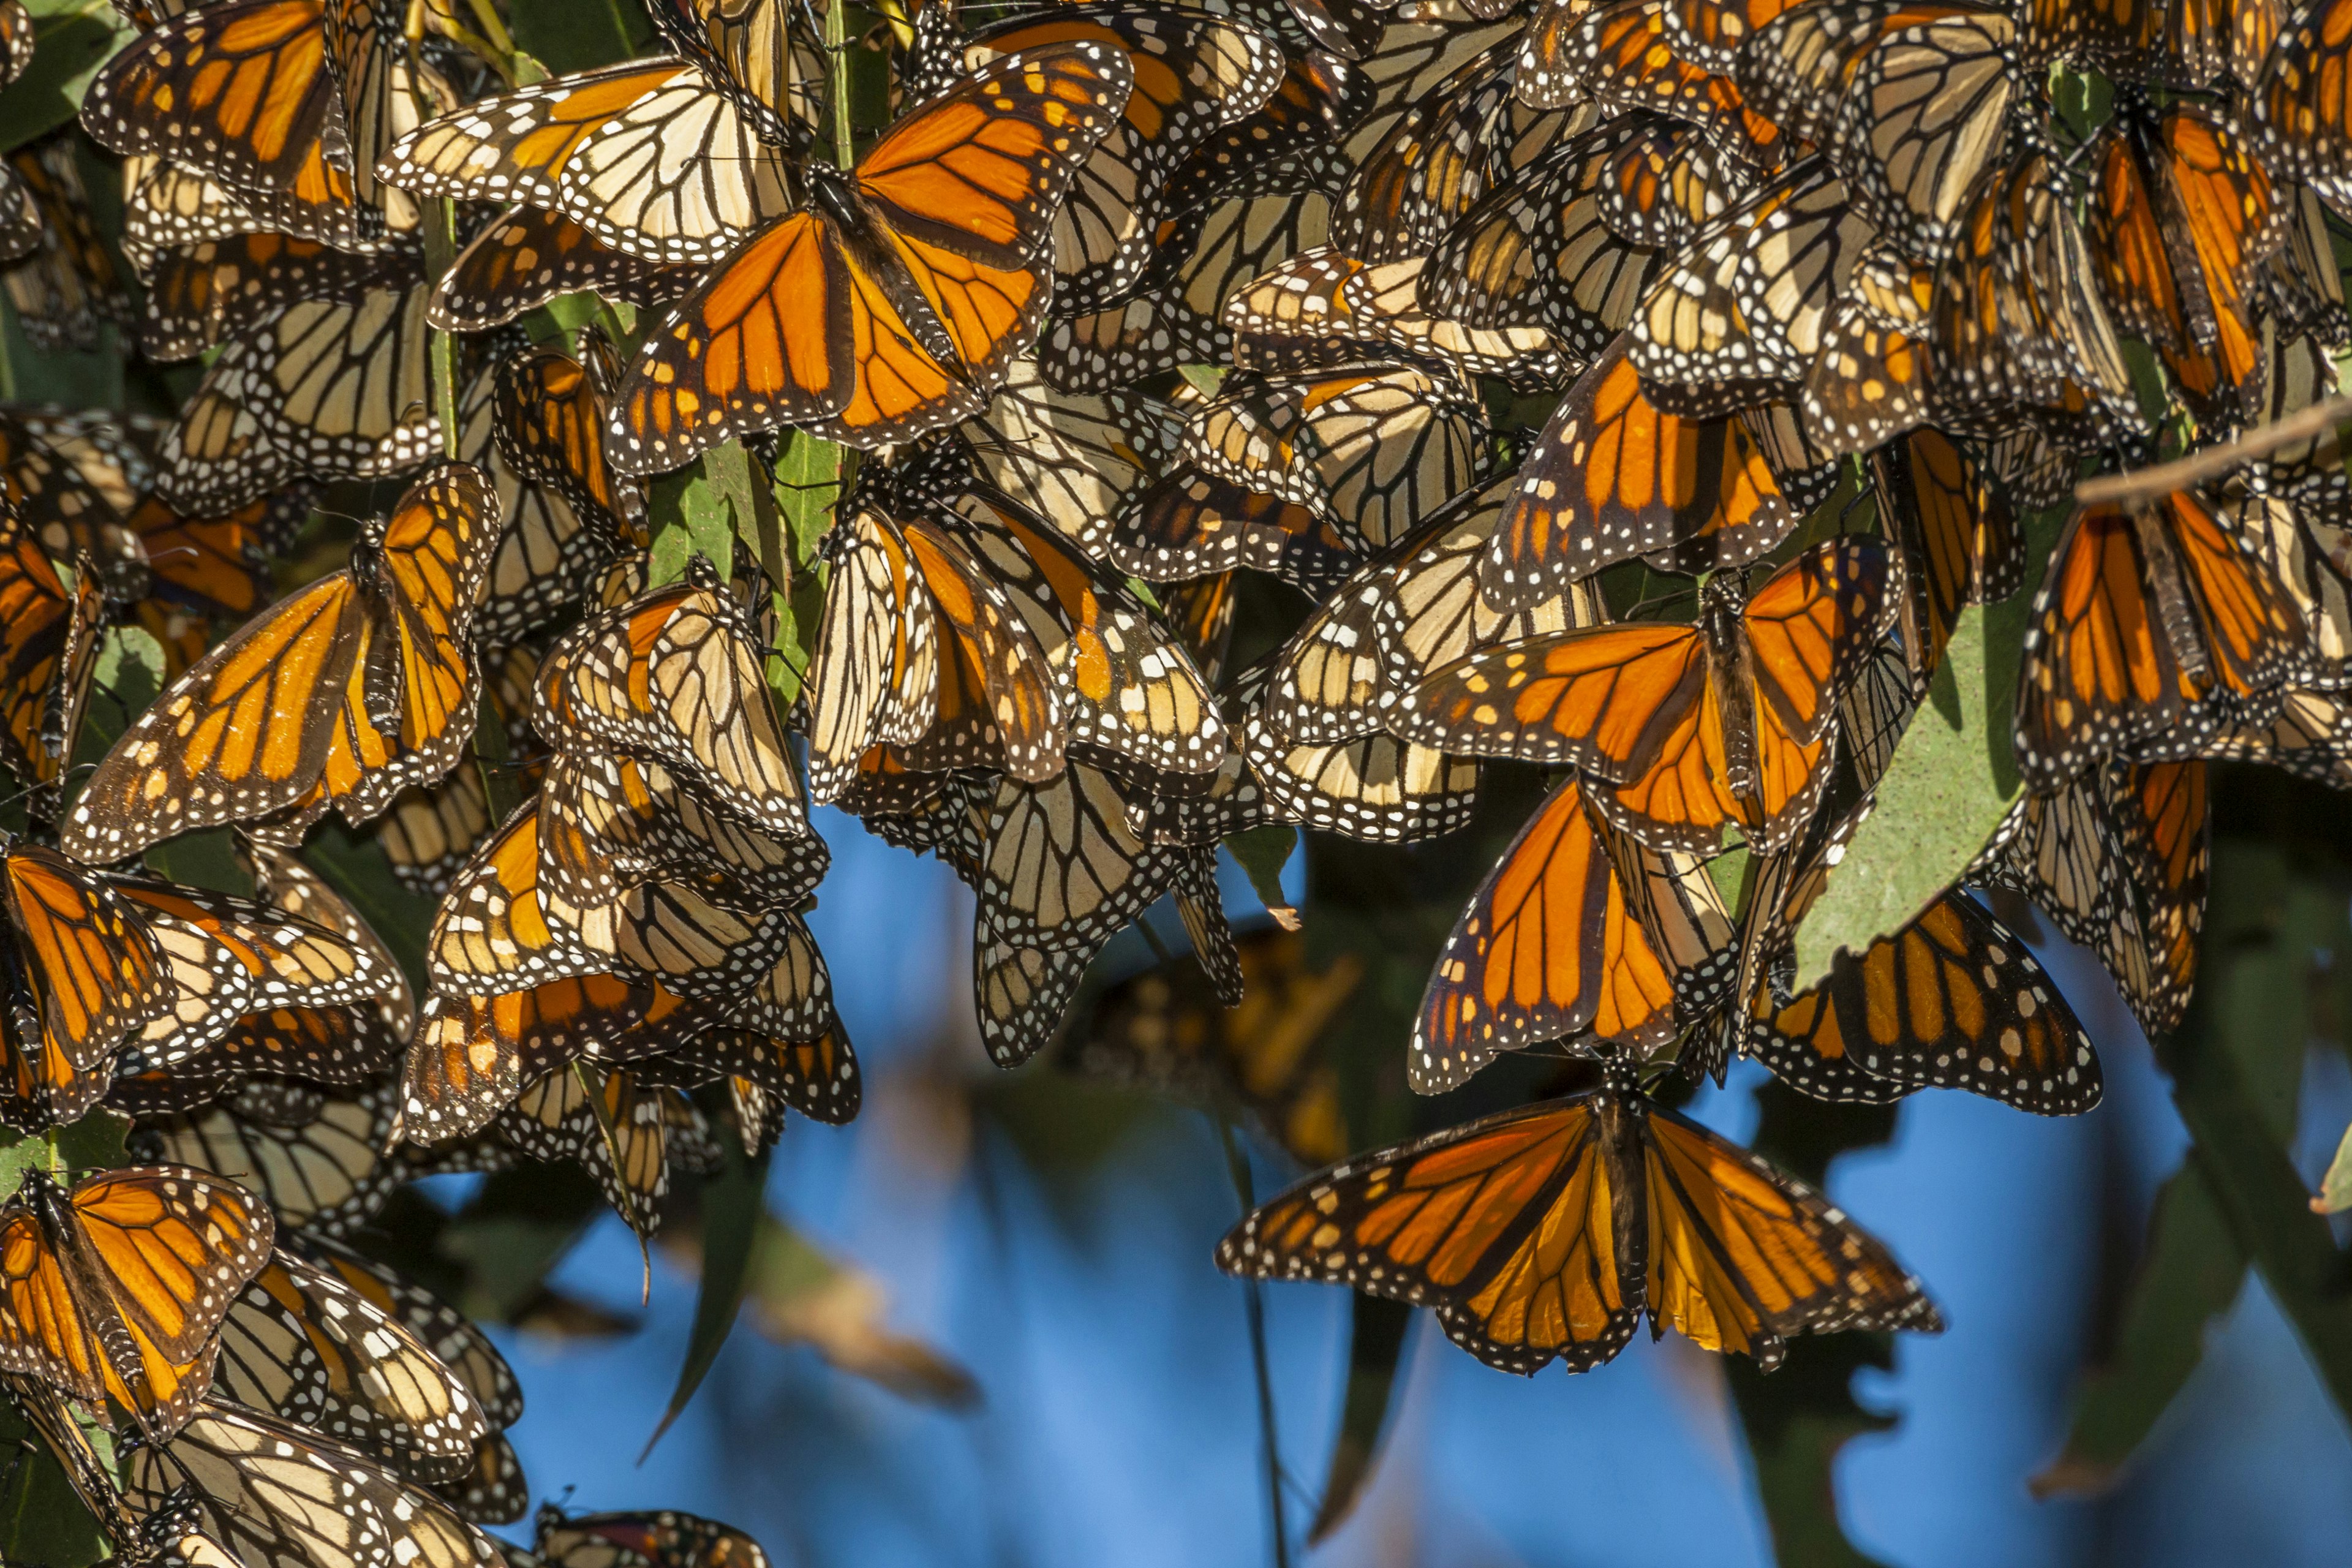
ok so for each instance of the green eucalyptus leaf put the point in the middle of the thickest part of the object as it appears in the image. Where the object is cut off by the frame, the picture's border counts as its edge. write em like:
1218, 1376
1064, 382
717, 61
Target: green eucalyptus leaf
1953, 778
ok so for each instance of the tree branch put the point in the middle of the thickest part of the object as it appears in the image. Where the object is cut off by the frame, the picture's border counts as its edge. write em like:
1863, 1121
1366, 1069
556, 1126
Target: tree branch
2140, 484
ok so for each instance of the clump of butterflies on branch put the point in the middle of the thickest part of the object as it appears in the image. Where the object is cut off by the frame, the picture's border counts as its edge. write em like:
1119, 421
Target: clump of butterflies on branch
1662, 393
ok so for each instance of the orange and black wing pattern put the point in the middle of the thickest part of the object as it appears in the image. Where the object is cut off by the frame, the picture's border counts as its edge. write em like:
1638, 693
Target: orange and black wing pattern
1951, 1001
1740, 1255
342, 694
90, 976
1507, 1225
1613, 477
1555, 945
1545, 1233
2153, 632
875, 337
117, 1290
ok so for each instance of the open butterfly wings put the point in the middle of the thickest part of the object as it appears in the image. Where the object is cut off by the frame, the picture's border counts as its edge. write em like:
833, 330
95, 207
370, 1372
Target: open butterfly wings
353, 689
943, 221
1548, 1232
117, 1288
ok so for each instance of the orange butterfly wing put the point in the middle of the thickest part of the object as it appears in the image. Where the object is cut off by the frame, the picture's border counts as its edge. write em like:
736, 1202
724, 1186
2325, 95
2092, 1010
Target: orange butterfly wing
1505, 1225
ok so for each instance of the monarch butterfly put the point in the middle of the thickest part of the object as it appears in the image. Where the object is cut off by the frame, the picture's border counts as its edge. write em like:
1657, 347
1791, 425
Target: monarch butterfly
1413, 607
20, 220
1287, 143
1570, 244
2117, 857
1269, 1056
203, 295
1068, 458
549, 411
1958, 536
283, 881
2310, 736
1188, 524
608, 824
1193, 75
1428, 167
1873, 375
617, 1126
47, 654
1924, 105
65, 504
529, 256
1612, 477
2206, 40
1176, 316
920, 648
797, 327
2153, 630
1740, 320
291, 714
1951, 1001
452, 1337
301, 1345
1578, 934
493, 1489
500, 930
2121, 36
1057, 865
2182, 217
1620, 56
69, 284
1375, 449
1323, 310
2303, 549
1549, 1231
116, 1289
210, 566
227, 958
665, 1538
674, 674
258, 1481
1373, 787
325, 389
2298, 111
752, 55
2015, 321
549, 554
1684, 728
314, 1156
290, 99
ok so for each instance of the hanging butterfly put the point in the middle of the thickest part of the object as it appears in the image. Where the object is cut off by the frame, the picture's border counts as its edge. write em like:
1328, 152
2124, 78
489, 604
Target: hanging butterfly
674, 674
68, 286
1960, 541
799, 327
2117, 857
661, 1538
1549, 1232
1613, 477
1578, 935
47, 651
293, 713
316, 1156
2153, 630
115, 1289
1682, 729
259, 1479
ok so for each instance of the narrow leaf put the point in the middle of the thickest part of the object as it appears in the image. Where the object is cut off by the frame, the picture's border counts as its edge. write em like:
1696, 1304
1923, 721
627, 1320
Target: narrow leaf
1263, 852
2192, 1273
1375, 1348
68, 46
732, 1203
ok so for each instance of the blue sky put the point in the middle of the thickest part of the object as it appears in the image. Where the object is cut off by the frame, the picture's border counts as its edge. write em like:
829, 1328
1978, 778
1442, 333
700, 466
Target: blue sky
1120, 1426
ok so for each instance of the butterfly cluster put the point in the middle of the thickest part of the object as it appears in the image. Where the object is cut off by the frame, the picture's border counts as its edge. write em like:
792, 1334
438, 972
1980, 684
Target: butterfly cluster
1150, 424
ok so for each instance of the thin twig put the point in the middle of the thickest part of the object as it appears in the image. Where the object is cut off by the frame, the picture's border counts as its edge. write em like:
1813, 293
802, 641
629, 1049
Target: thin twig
2140, 484
1269, 1437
